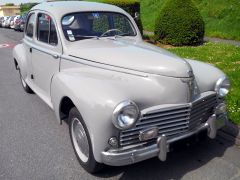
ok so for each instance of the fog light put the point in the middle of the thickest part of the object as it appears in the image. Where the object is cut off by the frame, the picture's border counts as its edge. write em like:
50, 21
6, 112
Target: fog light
221, 109
113, 142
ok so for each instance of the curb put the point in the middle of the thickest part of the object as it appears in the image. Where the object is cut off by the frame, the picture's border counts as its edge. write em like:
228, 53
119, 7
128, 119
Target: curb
231, 132
210, 39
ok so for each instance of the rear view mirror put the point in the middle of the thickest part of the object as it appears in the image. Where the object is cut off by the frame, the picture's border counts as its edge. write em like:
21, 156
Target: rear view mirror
67, 20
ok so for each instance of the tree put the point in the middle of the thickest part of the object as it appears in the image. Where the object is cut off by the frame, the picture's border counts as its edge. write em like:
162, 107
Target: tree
9, 4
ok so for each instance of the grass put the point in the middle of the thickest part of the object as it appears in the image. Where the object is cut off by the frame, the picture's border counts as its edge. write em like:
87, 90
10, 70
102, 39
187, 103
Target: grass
227, 58
221, 17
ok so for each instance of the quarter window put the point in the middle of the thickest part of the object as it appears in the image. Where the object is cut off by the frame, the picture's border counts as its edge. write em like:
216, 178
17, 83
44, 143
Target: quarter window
46, 31
53, 40
30, 25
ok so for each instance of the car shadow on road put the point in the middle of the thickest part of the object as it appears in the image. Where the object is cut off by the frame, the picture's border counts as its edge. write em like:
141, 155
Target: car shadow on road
186, 156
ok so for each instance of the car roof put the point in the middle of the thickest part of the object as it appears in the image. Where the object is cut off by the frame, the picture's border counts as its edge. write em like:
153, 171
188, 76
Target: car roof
60, 8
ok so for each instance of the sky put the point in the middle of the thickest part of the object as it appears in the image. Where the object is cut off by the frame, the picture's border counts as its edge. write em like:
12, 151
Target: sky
2, 2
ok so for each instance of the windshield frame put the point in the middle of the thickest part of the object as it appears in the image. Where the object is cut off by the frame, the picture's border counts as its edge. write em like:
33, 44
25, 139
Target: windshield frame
99, 11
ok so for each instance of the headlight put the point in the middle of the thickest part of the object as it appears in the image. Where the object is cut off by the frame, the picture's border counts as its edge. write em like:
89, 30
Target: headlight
222, 86
125, 115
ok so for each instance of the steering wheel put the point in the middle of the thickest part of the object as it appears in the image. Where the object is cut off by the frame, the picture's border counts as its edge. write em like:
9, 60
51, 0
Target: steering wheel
110, 30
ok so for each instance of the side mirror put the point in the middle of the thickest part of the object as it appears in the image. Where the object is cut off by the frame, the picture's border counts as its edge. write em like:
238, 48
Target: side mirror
136, 16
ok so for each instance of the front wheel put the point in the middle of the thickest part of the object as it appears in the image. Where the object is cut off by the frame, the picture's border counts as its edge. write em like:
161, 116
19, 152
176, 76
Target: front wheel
81, 142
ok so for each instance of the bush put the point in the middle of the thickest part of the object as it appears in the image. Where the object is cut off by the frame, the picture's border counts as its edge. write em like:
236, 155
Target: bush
179, 23
130, 6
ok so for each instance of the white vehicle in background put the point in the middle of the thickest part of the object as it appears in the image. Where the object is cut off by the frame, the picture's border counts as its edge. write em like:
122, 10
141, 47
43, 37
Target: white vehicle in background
1, 20
7, 22
13, 23
4, 21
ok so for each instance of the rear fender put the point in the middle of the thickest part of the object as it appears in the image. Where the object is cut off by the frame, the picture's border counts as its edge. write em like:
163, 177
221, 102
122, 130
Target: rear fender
20, 57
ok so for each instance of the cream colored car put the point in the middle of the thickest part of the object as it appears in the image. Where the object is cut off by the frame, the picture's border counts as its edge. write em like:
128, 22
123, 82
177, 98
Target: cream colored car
125, 100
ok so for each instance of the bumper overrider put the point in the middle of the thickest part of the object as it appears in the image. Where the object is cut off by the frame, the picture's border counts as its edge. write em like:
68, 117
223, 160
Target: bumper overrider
120, 157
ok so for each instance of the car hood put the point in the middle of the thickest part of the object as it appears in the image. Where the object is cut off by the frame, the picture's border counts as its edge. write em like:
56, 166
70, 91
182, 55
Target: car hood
128, 54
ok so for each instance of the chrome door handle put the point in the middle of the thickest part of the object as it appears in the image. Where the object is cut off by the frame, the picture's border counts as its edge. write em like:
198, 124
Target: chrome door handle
55, 56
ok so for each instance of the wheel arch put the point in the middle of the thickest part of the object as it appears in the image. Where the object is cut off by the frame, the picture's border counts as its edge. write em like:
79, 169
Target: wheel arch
66, 104
20, 59
16, 64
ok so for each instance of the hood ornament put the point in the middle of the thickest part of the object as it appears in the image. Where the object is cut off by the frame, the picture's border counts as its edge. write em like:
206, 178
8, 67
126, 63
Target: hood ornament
192, 85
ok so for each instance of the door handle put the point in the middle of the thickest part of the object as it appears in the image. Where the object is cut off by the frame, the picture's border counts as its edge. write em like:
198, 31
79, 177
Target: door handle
55, 56
30, 50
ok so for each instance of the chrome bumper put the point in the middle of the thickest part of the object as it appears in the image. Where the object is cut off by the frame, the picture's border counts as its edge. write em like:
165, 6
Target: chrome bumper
121, 157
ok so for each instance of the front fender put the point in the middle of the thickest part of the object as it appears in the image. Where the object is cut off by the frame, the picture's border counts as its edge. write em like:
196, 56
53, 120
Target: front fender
95, 99
21, 58
205, 74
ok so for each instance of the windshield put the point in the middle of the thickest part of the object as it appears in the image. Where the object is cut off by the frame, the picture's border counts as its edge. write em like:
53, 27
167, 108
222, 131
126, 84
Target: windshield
85, 25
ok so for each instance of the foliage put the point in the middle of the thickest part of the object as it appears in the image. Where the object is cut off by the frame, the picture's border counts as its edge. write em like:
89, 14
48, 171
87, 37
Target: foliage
24, 8
9, 4
227, 58
179, 23
221, 17
131, 6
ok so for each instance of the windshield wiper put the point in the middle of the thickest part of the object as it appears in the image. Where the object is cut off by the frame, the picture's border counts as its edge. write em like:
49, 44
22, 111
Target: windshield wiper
122, 35
87, 37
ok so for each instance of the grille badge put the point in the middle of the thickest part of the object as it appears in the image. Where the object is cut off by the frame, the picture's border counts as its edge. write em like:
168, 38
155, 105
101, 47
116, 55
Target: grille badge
148, 134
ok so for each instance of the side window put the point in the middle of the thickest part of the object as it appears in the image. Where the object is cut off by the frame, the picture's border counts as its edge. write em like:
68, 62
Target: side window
43, 28
30, 25
46, 30
53, 40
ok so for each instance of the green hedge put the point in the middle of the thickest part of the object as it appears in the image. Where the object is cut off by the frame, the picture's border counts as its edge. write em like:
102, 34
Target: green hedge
179, 23
131, 6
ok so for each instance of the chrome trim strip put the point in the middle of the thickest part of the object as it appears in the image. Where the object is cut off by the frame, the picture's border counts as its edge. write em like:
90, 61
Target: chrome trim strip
106, 64
87, 63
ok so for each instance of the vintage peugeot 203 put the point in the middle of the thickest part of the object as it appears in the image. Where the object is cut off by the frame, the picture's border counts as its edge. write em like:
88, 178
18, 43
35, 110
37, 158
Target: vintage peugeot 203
125, 100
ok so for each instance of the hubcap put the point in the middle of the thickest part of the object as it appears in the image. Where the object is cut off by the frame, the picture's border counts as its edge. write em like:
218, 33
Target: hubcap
80, 140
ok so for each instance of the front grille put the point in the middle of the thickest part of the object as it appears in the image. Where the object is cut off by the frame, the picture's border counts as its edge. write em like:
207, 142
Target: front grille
173, 120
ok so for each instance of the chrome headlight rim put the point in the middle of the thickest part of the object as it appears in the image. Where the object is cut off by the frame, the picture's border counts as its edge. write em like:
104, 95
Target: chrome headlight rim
219, 84
119, 108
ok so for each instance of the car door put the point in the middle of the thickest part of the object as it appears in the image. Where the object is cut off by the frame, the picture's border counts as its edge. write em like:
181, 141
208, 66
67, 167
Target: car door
46, 54
28, 43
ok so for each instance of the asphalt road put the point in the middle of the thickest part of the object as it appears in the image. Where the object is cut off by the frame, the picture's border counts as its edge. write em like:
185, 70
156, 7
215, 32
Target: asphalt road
34, 146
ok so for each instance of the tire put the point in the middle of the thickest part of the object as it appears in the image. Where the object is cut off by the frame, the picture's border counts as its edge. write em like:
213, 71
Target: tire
85, 154
24, 85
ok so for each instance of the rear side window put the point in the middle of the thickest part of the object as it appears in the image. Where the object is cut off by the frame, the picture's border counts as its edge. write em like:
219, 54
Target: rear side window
30, 25
46, 31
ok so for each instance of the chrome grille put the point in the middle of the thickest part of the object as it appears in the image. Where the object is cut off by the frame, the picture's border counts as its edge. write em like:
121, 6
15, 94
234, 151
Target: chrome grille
172, 121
